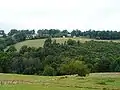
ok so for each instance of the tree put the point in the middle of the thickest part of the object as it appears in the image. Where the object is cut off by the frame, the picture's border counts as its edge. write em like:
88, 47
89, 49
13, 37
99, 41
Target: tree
11, 49
18, 37
12, 32
2, 45
23, 49
9, 41
74, 67
76, 33
115, 65
103, 65
48, 42
49, 71
5, 62
117, 69
17, 65
2, 33
64, 32
71, 42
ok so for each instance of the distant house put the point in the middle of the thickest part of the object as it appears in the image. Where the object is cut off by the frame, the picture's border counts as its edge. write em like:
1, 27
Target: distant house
2, 33
28, 37
31, 36
34, 35
63, 36
74, 36
69, 35
45, 35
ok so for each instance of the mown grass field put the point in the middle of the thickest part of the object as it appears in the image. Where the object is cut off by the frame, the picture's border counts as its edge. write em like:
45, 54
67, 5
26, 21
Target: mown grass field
40, 42
95, 81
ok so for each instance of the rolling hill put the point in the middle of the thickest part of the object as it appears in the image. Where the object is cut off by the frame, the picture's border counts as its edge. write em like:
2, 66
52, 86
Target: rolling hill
40, 42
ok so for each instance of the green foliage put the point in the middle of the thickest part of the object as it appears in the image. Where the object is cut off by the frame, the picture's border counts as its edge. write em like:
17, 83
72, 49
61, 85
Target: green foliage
18, 37
71, 57
74, 67
11, 49
48, 42
61, 58
5, 62
49, 71
117, 69
115, 65
103, 65
71, 42
12, 32
23, 49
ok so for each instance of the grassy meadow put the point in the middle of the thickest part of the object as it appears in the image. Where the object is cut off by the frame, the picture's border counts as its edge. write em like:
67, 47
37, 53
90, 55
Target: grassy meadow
2, 38
95, 81
40, 42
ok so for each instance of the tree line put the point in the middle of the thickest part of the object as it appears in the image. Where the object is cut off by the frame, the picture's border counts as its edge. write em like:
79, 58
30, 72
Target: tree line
70, 57
15, 35
96, 34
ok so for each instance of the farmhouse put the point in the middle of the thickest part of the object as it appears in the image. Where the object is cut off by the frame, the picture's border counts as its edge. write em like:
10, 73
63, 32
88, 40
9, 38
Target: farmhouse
69, 35
2, 33
30, 36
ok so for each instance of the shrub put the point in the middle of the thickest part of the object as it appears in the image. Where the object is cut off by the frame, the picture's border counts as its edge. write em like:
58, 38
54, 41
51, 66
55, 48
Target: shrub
74, 67
49, 71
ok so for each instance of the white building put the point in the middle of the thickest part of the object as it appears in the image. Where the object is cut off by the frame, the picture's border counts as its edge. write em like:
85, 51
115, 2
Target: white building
1, 35
69, 35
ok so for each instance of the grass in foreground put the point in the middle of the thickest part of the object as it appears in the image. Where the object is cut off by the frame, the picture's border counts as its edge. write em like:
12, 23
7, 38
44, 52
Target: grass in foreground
96, 81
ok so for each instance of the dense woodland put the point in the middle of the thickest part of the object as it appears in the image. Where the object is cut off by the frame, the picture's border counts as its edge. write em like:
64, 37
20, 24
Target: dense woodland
71, 57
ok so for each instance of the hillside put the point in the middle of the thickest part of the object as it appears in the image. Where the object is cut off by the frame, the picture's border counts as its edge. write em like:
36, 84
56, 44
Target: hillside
55, 59
97, 81
40, 42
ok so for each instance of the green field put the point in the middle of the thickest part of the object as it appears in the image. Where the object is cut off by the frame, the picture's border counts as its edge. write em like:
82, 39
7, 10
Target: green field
39, 42
96, 81
2, 38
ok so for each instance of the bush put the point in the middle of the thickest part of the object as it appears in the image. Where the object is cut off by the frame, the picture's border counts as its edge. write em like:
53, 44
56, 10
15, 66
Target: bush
11, 49
49, 71
74, 67
1, 70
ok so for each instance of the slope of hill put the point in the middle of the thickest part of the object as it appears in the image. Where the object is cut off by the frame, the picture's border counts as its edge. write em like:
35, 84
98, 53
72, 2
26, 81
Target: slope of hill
40, 42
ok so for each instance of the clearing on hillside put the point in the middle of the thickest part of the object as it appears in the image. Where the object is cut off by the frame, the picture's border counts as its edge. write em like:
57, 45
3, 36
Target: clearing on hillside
40, 42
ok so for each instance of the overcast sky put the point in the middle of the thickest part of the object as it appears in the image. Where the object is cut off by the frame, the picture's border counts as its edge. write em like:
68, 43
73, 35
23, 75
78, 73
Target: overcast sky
61, 14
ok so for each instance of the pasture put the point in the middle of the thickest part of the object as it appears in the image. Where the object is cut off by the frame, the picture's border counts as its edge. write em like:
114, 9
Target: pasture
2, 38
40, 42
95, 81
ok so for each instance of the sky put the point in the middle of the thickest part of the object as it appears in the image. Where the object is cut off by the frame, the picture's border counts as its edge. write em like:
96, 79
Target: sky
60, 14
